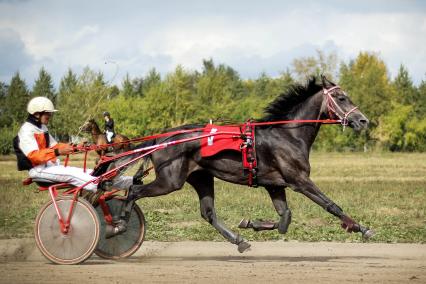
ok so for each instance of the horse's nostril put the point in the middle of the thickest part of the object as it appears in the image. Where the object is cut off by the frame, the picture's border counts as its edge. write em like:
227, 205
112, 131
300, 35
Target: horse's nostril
363, 121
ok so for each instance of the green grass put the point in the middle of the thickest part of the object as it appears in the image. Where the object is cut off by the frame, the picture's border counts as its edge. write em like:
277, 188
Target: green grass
386, 192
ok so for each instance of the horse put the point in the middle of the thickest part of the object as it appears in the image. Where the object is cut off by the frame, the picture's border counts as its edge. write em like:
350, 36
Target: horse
282, 152
99, 138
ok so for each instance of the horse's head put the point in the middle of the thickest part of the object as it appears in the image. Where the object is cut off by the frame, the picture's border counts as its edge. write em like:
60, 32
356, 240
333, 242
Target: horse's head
87, 126
339, 105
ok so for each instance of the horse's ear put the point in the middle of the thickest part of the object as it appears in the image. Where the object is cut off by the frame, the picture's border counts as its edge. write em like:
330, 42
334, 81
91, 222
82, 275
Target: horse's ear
325, 82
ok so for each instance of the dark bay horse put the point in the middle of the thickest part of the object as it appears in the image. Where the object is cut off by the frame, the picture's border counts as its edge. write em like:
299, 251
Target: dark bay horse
99, 138
282, 160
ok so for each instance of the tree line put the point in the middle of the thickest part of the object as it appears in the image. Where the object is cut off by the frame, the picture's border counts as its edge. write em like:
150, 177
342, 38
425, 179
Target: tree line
152, 103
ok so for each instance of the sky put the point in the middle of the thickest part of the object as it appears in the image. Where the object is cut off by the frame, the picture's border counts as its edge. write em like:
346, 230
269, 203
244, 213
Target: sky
253, 37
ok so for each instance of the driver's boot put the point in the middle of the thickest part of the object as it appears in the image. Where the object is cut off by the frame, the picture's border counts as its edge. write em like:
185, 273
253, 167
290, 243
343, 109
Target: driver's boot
119, 227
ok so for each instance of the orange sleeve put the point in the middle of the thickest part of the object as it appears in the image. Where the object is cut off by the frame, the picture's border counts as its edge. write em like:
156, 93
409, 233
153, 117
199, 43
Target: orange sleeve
42, 156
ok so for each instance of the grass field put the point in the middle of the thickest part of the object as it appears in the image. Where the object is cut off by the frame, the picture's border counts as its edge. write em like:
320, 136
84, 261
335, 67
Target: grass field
386, 192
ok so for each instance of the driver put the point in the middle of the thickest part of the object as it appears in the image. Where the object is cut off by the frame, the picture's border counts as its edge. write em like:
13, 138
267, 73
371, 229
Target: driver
37, 151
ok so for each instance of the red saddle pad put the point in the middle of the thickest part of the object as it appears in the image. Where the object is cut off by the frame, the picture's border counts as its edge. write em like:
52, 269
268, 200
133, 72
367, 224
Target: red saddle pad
228, 139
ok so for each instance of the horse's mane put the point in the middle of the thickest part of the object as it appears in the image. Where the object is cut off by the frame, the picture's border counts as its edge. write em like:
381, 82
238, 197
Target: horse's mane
286, 105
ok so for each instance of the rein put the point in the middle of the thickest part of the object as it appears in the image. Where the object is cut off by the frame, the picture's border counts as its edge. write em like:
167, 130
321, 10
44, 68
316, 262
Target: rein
178, 132
332, 108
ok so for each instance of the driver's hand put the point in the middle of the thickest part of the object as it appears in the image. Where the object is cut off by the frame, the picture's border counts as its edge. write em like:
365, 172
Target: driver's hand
67, 149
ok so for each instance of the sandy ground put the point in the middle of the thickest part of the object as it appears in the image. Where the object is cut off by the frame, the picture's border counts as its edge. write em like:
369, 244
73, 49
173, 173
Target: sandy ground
217, 262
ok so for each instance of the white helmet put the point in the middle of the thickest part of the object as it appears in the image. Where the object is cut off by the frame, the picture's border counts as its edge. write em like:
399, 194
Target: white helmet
40, 104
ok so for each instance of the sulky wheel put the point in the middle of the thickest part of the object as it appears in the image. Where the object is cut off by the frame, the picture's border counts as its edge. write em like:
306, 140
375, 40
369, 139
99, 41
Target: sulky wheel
127, 243
78, 243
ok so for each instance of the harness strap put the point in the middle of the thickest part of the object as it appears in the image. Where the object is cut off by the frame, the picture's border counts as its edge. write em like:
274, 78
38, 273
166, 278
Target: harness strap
248, 151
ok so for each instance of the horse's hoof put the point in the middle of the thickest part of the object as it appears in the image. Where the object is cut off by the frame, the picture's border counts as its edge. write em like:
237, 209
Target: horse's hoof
368, 234
243, 246
284, 222
244, 223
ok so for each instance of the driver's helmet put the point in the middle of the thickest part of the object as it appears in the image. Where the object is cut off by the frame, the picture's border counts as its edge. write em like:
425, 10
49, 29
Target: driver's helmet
106, 113
40, 104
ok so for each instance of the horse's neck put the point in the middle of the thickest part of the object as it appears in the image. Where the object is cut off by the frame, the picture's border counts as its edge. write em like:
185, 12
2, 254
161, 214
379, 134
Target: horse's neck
311, 109
96, 131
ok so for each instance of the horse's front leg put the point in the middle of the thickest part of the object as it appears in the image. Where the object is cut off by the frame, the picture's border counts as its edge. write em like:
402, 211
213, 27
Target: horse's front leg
279, 200
309, 189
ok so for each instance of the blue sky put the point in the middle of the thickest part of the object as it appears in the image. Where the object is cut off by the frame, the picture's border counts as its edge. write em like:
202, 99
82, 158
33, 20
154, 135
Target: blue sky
250, 36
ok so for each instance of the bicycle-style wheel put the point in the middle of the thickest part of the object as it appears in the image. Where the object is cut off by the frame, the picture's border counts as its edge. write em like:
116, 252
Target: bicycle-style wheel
82, 238
127, 243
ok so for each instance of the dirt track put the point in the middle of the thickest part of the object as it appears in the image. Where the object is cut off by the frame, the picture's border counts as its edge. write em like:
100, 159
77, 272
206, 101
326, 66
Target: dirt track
214, 262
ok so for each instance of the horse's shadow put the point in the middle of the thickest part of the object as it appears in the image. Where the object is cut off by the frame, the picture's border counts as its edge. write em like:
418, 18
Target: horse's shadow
247, 259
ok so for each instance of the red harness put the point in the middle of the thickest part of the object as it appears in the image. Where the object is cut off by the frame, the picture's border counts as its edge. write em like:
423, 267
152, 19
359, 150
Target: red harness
225, 138
241, 138
235, 138
248, 150
238, 137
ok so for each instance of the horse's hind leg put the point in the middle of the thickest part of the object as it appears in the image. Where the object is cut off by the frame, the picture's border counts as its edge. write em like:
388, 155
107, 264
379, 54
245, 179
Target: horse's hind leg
163, 184
278, 198
203, 183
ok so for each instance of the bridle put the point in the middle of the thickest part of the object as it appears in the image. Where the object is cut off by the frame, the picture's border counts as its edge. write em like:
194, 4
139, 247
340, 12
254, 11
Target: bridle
334, 108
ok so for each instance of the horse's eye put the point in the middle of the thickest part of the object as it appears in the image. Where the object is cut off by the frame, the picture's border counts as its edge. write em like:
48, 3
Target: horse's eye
342, 98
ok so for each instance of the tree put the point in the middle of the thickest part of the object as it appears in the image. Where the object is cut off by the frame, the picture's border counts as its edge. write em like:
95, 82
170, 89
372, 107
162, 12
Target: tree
79, 99
151, 80
127, 88
219, 91
132, 87
285, 80
169, 103
415, 137
260, 92
367, 83
67, 102
130, 115
322, 64
406, 93
421, 102
43, 86
3, 94
15, 103
392, 129
158, 108
14, 100
181, 95
68, 83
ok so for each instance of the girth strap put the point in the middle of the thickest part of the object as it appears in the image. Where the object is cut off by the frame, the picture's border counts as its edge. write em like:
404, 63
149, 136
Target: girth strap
248, 151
